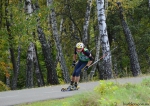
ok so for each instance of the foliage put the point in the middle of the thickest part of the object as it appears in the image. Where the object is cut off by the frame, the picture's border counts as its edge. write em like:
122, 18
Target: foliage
105, 87
3, 87
134, 12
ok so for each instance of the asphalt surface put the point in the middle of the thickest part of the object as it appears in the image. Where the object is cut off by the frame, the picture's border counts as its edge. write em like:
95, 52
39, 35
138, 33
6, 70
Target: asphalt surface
11, 98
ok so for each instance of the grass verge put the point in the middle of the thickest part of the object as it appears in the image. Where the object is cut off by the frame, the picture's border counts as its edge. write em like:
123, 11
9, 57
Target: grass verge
106, 94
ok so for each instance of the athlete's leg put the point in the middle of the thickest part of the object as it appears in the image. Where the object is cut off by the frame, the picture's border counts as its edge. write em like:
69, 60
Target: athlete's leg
78, 71
75, 72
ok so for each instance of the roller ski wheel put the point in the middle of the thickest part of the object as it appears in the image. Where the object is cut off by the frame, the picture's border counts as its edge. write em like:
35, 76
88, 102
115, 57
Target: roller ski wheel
64, 89
76, 88
69, 89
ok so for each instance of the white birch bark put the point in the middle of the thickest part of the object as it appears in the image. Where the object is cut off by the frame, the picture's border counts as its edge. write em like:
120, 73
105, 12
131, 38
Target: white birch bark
96, 56
29, 70
57, 42
61, 25
85, 36
104, 38
28, 7
134, 63
86, 23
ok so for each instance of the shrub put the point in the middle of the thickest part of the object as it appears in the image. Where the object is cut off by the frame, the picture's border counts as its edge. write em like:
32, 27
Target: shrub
3, 87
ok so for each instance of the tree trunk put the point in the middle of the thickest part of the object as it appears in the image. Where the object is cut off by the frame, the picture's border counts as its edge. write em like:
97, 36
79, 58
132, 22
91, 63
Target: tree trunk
15, 78
85, 36
1, 13
101, 70
104, 39
11, 48
28, 7
61, 26
96, 56
149, 3
51, 71
29, 71
86, 23
135, 67
58, 45
38, 73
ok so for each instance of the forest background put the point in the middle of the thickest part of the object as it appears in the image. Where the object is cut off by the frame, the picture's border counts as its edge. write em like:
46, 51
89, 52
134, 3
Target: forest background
32, 55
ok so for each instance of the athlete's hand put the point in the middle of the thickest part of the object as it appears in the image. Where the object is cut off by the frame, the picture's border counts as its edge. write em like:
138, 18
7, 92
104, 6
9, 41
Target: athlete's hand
73, 63
86, 68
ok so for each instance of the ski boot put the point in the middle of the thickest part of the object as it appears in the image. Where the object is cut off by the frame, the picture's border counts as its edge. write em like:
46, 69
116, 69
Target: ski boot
69, 88
76, 87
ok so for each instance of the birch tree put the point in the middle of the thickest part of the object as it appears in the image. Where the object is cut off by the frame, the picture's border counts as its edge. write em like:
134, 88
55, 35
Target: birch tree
38, 73
134, 63
29, 69
11, 48
86, 23
46, 50
57, 42
32, 56
85, 36
104, 39
51, 71
1, 13
96, 56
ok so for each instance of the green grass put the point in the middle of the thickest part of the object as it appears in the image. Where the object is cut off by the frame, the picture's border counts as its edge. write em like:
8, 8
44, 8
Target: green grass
106, 94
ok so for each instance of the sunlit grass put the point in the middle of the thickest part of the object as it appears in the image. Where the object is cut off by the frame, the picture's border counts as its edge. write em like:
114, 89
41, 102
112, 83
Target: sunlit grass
106, 94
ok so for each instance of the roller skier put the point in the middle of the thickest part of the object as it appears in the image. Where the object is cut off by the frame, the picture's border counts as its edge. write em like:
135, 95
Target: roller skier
84, 61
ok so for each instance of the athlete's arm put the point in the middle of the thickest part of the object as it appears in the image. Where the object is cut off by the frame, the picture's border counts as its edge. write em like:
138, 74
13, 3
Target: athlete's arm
87, 53
75, 55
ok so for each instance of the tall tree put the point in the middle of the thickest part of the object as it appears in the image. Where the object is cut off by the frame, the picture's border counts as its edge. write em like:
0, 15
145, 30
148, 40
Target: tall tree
134, 63
51, 71
86, 23
38, 73
57, 42
85, 36
29, 70
104, 39
11, 48
96, 56
50, 64
1, 13
32, 53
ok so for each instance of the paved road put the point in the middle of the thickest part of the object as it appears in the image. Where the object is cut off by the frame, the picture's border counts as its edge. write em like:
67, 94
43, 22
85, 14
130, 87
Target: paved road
11, 98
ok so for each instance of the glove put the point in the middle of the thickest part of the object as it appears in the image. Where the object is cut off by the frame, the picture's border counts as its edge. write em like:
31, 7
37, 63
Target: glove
73, 63
86, 68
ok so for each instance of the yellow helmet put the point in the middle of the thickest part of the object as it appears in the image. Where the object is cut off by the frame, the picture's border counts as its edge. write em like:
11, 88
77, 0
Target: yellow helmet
79, 45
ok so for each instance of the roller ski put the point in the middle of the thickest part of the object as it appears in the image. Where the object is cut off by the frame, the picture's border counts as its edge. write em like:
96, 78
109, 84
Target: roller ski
70, 88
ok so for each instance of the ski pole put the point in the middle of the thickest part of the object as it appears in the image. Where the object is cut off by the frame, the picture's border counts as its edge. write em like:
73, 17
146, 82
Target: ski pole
102, 57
